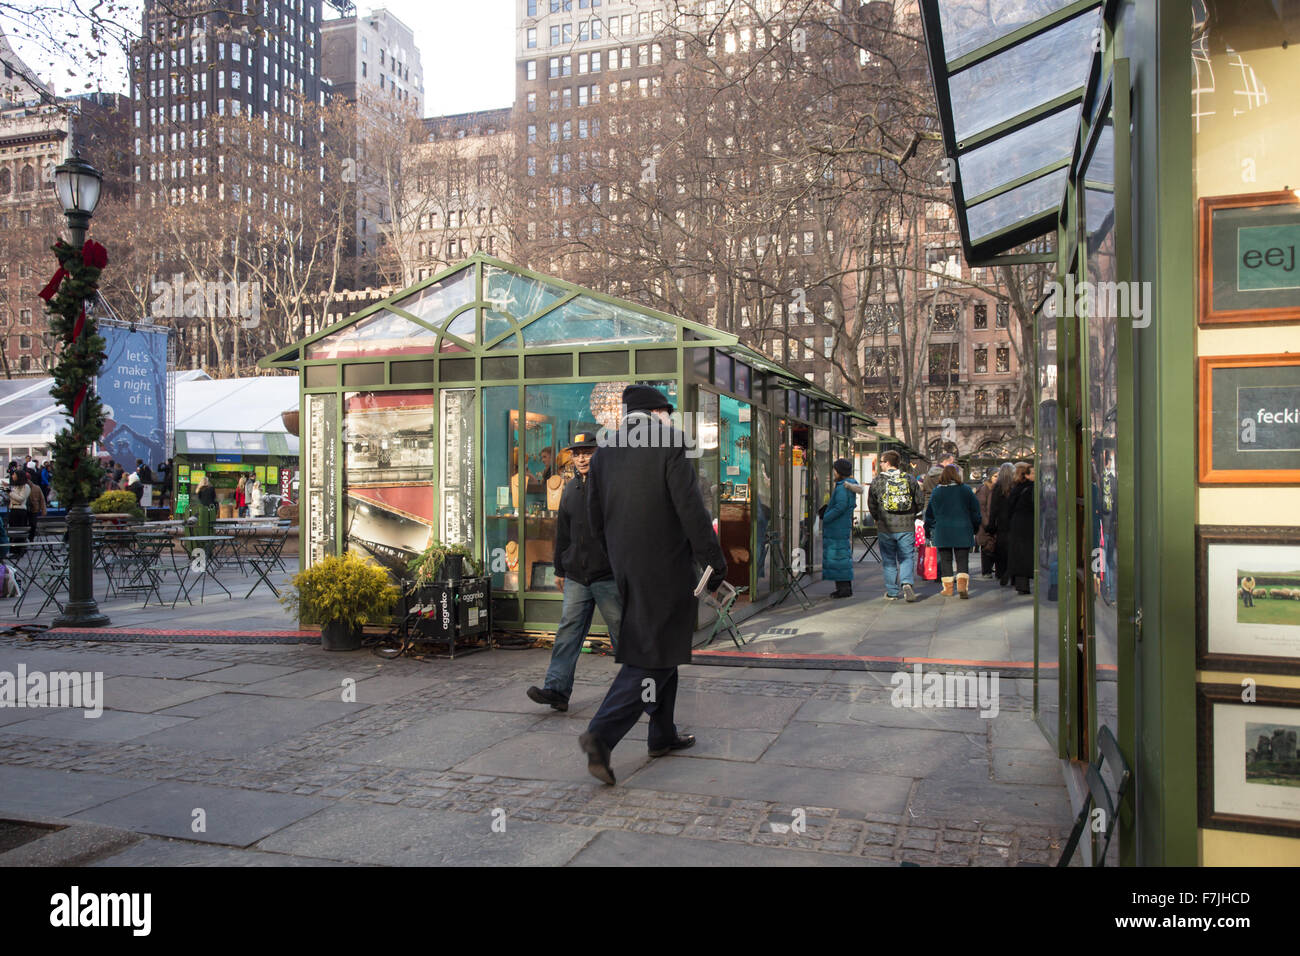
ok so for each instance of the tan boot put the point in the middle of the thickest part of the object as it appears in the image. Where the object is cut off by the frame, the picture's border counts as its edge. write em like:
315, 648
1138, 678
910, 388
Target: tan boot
963, 586
947, 587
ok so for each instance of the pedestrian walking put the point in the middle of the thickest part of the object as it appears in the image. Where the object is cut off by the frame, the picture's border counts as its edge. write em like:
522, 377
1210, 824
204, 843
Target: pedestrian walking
1000, 519
837, 532
951, 519
984, 537
1020, 522
583, 573
253, 495
241, 497
644, 505
894, 500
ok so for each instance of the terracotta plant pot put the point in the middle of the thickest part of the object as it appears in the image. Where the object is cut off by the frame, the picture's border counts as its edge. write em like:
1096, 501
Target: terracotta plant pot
337, 636
290, 420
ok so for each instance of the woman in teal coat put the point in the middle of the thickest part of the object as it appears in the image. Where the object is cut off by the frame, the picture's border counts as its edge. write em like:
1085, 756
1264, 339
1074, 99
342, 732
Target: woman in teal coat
837, 532
951, 519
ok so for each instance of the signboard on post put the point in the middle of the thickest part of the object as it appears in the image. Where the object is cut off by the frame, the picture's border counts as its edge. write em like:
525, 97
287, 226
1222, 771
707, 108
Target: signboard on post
133, 388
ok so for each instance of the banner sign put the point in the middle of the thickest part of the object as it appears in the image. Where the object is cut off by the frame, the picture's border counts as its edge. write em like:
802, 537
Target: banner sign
133, 388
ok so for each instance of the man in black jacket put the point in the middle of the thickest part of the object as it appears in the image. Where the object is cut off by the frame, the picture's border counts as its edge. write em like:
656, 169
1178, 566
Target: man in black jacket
645, 505
582, 572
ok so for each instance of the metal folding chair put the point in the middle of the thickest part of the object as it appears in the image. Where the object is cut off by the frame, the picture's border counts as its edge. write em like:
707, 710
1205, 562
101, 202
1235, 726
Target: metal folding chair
1100, 797
792, 585
264, 562
870, 538
723, 602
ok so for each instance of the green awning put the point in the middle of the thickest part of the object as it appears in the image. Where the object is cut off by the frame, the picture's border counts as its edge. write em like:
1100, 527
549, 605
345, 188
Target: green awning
1010, 78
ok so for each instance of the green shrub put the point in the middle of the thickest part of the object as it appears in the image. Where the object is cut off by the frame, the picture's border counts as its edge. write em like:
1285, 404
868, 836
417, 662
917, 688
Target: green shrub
117, 503
341, 588
426, 567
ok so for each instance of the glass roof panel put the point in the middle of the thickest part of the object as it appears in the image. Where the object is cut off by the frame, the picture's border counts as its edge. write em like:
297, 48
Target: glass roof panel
585, 321
494, 324
253, 441
515, 295
463, 325
380, 333
1024, 202
1101, 168
1025, 76
435, 302
1012, 156
199, 441
509, 344
971, 24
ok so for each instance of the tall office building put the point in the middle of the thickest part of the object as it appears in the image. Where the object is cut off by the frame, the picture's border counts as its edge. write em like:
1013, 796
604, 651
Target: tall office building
199, 61
372, 62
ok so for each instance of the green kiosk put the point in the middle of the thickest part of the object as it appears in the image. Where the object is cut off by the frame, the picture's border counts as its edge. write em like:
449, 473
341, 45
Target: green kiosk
444, 412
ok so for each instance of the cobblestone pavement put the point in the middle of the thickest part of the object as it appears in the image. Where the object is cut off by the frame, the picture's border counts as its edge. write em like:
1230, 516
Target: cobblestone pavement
863, 781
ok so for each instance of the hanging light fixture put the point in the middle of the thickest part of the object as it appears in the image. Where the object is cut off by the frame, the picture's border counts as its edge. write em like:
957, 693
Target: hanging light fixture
607, 403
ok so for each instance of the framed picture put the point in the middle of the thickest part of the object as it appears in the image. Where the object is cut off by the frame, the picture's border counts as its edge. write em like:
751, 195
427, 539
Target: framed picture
1247, 765
1248, 419
1248, 599
742, 492
1248, 248
543, 577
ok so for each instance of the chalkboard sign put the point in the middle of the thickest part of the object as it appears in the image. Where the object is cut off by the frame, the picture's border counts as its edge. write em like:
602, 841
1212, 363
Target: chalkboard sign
1249, 258
1249, 419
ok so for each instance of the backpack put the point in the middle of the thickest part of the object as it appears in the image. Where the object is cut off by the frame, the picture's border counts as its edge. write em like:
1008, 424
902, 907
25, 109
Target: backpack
896, 494
8, 582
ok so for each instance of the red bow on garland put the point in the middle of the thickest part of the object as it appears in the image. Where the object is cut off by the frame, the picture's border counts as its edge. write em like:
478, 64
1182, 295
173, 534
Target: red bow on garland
92, 254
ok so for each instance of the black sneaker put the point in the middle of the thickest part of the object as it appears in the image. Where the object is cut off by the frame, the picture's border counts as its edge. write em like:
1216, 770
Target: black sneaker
540, 695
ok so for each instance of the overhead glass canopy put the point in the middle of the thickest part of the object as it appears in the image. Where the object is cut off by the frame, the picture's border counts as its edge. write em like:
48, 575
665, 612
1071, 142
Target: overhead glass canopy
1009, 76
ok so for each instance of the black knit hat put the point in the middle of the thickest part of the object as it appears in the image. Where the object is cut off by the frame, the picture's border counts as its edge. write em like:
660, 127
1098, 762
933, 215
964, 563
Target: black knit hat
643, 398
843, 467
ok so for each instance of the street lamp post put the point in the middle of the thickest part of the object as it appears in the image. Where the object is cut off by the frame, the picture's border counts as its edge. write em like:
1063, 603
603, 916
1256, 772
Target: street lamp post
77, 184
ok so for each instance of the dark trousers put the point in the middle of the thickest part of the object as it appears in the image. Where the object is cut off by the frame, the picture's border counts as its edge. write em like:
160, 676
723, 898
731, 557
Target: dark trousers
946, 561
986, 562
625, 702
1250, 598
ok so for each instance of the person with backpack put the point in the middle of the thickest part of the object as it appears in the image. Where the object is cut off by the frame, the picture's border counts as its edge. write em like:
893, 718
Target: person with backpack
894, 500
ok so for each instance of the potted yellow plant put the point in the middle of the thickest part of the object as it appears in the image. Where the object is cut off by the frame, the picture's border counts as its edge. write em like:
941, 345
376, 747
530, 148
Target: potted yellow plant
340, 594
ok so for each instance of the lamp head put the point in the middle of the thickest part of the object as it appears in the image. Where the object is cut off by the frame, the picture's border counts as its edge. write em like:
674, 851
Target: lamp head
77, 184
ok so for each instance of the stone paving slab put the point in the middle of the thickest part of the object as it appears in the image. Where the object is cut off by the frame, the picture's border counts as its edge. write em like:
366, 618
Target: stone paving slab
540, 756
439, 743
734, 712
112, 726
210, 704
620, 848
162, 852
111, 665
873, 709
245, 674
1038, 766
259, 723
961, 792
398, 836
380, 689
56, 793
906, 753
234, 817
147, 695
1018, 731
797, 786
306, 683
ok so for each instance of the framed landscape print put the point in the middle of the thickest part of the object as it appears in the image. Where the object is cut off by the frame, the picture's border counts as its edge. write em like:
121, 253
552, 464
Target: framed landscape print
1248, 599
1249, 253
1248, 419
1247, 765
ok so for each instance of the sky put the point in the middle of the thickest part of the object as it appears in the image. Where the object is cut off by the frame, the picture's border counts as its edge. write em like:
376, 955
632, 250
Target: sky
466, 47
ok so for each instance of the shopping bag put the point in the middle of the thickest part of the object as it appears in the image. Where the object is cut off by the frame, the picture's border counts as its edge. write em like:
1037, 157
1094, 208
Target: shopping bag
931, 570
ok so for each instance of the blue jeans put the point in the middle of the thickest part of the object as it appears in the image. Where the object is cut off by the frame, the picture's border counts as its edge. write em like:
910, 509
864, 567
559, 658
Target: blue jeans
898, 556
580, 602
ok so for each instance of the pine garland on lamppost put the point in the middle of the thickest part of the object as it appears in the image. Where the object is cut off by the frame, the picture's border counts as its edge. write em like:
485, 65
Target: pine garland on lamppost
77, 473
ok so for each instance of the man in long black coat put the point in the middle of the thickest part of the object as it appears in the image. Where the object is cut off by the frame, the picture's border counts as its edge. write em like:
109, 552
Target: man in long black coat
644, 502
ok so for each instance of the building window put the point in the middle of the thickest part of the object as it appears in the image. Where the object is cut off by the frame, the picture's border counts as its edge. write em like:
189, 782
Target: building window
981, 402
532, 38
945, 318
981, 317
532, 133
981, 359
554, 67
1004, 311
944, 363
1004, 401
532, 102
530, 70
1003, 359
